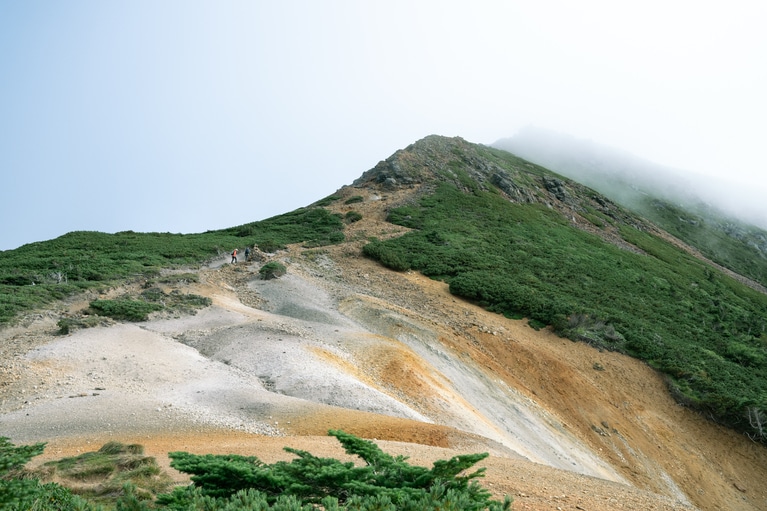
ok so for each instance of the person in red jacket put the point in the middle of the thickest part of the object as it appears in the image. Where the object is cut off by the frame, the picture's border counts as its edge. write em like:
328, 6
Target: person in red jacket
234, 256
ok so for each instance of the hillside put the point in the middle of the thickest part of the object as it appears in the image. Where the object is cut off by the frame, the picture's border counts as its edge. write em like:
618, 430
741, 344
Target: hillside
342, 342
720, 219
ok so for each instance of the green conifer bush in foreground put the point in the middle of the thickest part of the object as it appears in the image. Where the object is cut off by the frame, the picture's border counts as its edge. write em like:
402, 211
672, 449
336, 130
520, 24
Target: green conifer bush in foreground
233, 482
383, 482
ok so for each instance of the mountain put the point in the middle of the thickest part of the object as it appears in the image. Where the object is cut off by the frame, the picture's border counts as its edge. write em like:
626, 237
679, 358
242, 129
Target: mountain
453, 298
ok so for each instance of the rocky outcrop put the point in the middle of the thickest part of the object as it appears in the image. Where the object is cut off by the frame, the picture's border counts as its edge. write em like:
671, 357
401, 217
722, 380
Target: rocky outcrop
557, 188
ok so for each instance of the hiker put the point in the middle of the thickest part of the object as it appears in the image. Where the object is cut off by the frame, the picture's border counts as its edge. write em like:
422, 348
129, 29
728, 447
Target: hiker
247, 253
234, 256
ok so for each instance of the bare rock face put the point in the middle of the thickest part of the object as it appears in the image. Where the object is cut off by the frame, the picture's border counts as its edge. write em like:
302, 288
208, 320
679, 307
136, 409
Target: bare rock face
557, 187
389, 175
256, 255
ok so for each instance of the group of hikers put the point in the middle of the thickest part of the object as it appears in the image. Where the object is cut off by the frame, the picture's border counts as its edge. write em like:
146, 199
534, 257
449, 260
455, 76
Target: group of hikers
234, 255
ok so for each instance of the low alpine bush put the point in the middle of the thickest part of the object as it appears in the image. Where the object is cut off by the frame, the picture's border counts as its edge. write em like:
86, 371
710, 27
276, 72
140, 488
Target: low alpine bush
272, 270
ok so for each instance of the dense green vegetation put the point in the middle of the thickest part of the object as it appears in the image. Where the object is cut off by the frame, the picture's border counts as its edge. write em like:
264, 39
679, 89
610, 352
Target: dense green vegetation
121, 477
314, 226
354, 199
665, 196
732, 244
37, 274
272, 270
15, 490
705, 331
352, 216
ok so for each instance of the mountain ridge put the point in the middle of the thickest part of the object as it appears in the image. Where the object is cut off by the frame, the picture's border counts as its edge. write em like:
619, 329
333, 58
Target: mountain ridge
626, 421
419, 165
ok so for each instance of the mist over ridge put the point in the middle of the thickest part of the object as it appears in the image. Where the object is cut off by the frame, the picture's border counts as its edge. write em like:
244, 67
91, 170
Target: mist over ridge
626, 178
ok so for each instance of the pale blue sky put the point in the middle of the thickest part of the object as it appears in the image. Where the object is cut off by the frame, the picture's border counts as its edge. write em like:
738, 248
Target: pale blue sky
184, 116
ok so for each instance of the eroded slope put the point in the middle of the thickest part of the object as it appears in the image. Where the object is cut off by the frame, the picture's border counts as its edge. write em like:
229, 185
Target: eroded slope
342, 343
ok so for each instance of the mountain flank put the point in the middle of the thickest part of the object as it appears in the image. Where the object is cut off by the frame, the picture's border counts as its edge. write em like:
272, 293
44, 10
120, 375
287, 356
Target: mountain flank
718, 218
343, 341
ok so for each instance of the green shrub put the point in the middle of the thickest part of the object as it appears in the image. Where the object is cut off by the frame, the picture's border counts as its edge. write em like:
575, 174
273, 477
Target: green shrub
352, 216
20, 490
592, 330
270, 246
153, 294
71, 324
393, 259
188, 302
272, 270
437, 499
734, 245
327, 201
14, 492
120, 475
384, 482
354, 199
124, 309
175, 278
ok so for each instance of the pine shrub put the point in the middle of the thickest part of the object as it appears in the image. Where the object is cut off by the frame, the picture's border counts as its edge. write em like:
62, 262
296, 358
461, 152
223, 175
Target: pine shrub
272, 270
308, 482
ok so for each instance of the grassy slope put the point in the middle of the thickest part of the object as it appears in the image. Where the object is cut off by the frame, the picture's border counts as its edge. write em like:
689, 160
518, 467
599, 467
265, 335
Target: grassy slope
37, 274
701, 328
735, 245
662, 195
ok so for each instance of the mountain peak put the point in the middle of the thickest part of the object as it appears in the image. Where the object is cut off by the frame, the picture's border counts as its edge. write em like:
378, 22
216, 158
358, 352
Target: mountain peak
418, 163
477, 168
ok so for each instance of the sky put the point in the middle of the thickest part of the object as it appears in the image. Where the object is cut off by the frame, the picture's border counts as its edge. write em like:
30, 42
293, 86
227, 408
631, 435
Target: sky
185, 115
